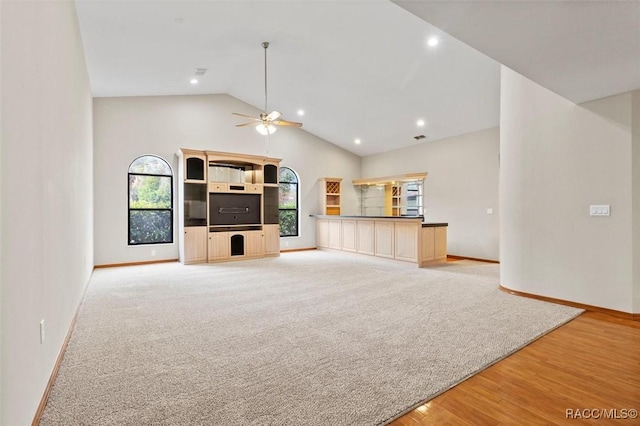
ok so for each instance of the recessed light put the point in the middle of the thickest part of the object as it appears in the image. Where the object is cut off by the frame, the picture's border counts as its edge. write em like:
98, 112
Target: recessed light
420, 123
193, 81
301, 112
358, 141
433, 41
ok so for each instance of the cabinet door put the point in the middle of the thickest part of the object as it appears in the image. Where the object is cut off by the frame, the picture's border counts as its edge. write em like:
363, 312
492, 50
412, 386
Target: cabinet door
237, 245
271, 239
441, 242
322, 233
406, 241
270, 173
218, 246
194, 168
384, 239
364, 240
195, 244
254, 244
335, 232
271, 210
349, 235
428, 244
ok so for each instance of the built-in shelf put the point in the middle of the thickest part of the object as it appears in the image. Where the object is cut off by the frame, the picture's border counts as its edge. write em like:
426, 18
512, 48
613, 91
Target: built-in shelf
330, 193
399, 195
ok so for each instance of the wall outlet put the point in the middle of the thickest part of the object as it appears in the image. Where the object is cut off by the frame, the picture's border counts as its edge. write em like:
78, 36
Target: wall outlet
600, 210
42, 331
489, 210
153, 252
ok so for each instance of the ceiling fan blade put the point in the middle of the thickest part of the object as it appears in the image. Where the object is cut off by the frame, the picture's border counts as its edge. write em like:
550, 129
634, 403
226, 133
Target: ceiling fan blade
287, 123
245, 124
273, 115
246, 116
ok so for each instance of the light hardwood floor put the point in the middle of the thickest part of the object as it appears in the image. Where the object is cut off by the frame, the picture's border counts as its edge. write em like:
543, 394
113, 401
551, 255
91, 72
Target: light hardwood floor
592, 362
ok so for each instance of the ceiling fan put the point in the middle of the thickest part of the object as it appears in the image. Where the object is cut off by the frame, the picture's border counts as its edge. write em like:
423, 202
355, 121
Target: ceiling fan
266, 122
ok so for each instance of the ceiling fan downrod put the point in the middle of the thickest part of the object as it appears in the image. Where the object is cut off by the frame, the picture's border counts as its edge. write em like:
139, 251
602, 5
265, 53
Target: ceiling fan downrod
265, 44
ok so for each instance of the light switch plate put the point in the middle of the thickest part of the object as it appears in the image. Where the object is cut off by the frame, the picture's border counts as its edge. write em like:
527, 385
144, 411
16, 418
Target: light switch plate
600, 210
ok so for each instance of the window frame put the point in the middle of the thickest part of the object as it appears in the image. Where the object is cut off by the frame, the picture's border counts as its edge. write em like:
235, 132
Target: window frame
297, 209
130, 209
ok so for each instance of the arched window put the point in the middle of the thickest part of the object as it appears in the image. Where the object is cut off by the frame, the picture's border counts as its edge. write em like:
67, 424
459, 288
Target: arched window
288, 202
150, 201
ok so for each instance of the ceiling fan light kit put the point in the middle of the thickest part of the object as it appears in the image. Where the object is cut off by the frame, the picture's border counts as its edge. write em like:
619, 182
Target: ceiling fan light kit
266, 123
269, 129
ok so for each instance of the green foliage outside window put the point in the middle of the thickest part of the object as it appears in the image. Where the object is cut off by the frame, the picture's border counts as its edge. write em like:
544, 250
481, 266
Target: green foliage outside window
288, 223
150, 226
149, 192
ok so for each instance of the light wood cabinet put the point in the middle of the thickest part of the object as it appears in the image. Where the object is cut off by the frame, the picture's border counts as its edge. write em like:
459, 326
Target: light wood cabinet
427, 237
384, 239
254, 244
335, 234
406, 241
349, 229
440, 243
433, 245
271, 240
218, 187
195, 241
330, 194
365, 238
322, 233
218, 247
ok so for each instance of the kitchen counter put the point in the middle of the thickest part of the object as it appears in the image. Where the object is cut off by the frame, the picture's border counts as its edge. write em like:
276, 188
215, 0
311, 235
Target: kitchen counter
405, 238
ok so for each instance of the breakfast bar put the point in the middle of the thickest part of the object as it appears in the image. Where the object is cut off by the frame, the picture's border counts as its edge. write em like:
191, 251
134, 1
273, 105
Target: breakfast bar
404, 238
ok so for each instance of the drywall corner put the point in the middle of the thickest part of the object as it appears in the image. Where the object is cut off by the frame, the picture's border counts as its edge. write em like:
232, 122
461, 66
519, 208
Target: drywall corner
557, 159
635, 184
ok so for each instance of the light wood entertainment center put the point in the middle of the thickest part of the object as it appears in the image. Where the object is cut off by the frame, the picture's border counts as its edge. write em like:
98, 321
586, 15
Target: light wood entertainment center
229, 206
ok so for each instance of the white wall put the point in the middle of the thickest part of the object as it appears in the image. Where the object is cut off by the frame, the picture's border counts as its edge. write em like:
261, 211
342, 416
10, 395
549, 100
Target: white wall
125, 128
635, 108
1, 230
47, 244
462, 184
557, 158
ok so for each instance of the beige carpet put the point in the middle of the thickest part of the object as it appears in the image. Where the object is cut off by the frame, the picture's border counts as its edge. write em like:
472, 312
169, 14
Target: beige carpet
309, 338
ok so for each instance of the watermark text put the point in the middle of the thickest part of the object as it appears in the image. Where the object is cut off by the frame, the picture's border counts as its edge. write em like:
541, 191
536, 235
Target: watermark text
601, 413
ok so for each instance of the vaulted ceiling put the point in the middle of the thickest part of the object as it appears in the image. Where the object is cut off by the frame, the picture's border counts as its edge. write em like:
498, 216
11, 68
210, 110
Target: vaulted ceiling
363, 69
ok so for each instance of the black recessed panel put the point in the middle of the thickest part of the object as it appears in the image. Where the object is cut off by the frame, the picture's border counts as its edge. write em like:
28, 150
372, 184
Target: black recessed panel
234, 209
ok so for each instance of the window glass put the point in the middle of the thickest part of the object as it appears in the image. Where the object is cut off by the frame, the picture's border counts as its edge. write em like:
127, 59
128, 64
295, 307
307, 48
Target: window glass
150, 165
288, 202
150, 201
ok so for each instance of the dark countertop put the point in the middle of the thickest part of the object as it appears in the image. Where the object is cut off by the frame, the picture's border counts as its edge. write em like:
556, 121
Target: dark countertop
433, 225
424, 224
329, 216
